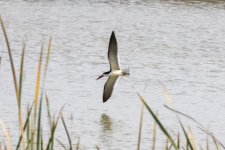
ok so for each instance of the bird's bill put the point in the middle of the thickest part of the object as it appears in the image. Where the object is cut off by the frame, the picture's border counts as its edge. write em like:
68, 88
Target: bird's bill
100, 76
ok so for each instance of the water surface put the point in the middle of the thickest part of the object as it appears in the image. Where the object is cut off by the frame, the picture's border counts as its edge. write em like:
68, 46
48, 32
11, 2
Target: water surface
176, 43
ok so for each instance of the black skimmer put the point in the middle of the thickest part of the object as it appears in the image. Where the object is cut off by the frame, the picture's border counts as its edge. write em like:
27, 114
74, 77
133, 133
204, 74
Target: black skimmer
115, 70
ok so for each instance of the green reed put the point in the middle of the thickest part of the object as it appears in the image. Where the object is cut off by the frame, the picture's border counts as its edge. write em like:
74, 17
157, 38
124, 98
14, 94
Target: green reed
174, 142
32, 125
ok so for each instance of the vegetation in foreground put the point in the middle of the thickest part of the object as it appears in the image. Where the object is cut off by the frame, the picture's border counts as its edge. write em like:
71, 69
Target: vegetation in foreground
31, 127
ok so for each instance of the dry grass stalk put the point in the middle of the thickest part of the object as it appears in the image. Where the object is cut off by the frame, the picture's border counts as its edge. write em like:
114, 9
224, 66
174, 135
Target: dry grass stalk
140, 127
7, 135
14, 79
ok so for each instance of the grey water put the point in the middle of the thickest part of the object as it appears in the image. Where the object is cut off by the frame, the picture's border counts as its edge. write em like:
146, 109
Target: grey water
174, 43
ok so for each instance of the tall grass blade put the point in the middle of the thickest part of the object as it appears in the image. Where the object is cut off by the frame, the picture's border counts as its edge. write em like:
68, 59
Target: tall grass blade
48, 110
192, 139
187, 145
39, 125
67, 132
42, 141
158, 122
47, 58
7, 135
167, 95
54, 126
215, 143
46, 65
183, 114
21, 76
178, 140
51, 139
154, 135
10, 57
186, 136
200, 125
20, 93
36, 97
78, 144
63, 146
25, 126
37, 88
14, 77
140, 127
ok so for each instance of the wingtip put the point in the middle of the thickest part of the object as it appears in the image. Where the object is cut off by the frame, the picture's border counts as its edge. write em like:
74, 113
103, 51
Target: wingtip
104, 99
113, 36
113, 33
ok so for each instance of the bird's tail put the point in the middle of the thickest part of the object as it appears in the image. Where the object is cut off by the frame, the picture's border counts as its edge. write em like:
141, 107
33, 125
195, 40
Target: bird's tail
126, 71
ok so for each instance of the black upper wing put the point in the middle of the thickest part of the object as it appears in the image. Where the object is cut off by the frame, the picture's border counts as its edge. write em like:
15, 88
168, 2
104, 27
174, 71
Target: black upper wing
113, 53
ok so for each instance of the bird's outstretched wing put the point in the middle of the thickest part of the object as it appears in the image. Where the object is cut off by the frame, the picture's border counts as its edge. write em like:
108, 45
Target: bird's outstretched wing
112, 53
108, 88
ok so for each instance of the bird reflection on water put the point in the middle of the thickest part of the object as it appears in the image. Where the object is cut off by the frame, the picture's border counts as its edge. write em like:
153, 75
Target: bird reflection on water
106, 131
106, 123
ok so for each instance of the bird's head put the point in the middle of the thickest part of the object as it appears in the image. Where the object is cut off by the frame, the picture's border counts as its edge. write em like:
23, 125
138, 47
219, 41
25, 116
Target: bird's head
100, 76
104, 74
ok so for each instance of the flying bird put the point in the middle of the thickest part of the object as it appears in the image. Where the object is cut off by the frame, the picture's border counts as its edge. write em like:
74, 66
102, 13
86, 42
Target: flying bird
115, 71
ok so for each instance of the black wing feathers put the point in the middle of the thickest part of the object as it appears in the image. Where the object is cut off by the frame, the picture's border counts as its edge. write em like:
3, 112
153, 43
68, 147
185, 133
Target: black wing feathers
113, 53
108, 88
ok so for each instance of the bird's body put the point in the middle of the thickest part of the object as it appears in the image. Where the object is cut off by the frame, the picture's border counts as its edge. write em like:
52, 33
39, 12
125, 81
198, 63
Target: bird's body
117, 73
115, 70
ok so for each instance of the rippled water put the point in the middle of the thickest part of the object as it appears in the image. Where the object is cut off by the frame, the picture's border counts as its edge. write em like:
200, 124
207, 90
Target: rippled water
177, 43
